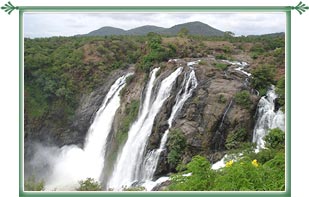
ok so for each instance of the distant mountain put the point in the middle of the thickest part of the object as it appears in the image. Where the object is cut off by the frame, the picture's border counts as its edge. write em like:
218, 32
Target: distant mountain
143, 30
195, 28
278, 34
106, 31
275, 34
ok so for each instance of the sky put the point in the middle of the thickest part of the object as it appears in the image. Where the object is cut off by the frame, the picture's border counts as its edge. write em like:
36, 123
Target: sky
69, 24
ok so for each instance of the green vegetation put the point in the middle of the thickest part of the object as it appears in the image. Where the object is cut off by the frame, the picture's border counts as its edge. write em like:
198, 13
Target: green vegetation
202, 62
131, 113
275, 139
222, 99
139, 188
156, 52
59, 70
263, 171
33, 185
235, 139
262, 77
221, 66
202, 177
243, 99
221, 57
183, 32
279, 55
89, 185
280, 90
250, 175
176, 145
258, 48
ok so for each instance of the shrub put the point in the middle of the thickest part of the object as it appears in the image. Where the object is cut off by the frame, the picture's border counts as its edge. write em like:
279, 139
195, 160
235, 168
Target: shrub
139, 188
89, 185
265, 155
156, 52
221, 57
274, 170
262, 77
240, 176
234, 139
129, 79
202, 62
222, 99
131, 112
201, 179
183, 32
227, 49
32, 185
254, 55
243, 98
280, 90
221, 66
279, 55
176, 145
275, 139
257, 48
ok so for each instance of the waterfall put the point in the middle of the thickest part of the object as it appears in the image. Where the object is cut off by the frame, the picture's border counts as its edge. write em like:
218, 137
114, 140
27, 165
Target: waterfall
218, 138
267, 118
224, 115
130, 159
72, 164
152, 158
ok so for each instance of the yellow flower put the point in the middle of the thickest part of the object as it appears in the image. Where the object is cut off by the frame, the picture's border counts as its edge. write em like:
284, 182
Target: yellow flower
255, 163
229, 163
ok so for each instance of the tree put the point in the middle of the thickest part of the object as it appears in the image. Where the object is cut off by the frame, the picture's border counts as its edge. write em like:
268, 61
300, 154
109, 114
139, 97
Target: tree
275, 139
262, 77
176, 145
183, 32
229, 34
89, 185
243, 98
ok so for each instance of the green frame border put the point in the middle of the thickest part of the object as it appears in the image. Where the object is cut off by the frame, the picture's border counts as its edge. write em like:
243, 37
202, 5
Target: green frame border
285, 9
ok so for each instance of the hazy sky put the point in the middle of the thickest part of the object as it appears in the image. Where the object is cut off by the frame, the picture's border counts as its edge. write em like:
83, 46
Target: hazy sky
68, 24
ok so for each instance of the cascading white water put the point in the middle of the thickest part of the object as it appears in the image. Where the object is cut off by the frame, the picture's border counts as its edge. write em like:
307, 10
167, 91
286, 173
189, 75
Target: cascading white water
131, 157
267, 118
72, 164
152, 158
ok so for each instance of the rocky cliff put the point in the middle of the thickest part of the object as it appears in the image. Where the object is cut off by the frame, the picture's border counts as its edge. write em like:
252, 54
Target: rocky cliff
207, 119
209, 116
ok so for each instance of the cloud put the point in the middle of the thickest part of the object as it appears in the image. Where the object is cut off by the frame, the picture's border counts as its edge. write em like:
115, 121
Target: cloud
69, 24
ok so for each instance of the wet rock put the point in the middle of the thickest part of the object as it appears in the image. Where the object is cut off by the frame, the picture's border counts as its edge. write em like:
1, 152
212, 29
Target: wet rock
202, 114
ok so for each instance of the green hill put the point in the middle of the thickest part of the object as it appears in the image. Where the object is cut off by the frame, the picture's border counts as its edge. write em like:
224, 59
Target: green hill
194, 28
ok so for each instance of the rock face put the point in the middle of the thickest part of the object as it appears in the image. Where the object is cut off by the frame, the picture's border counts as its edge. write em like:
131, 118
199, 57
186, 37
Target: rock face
208, 116
206, 119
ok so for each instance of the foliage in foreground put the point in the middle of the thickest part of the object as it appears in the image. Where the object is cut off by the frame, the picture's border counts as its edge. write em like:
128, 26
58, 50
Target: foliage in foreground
32, 185
89, 185
138, 188
262, 171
